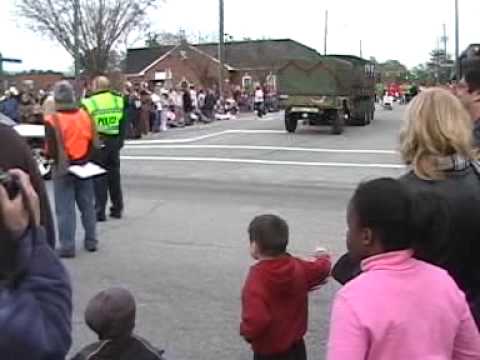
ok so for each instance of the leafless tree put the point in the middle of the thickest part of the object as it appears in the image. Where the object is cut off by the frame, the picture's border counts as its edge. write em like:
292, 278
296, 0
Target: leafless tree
155, 39
103, 24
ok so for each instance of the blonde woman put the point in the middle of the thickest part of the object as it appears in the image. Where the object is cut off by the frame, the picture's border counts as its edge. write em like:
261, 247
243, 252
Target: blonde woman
437, 136
436, 142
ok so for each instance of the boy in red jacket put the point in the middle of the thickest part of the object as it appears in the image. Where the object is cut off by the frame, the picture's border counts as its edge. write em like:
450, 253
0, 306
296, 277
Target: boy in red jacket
275, 294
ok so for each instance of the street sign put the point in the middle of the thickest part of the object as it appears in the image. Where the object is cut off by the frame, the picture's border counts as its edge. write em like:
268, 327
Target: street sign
9, 60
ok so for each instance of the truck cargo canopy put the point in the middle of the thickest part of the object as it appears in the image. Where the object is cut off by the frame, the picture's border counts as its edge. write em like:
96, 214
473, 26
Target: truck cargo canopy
329, 77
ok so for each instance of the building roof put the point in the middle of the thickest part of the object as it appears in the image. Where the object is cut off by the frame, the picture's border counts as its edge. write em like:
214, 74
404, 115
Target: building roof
261, 53
139, 59
252, 54
351, 58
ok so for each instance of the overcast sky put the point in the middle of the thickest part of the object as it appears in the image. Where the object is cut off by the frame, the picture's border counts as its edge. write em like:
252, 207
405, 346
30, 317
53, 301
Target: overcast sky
405, 30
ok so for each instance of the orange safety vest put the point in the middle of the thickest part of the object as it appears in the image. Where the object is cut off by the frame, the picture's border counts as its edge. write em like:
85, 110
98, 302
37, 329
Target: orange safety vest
77, 132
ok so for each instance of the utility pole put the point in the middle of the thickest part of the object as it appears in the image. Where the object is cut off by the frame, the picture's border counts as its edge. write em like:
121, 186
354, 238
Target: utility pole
361, 49
326, 34
76, 30
457, 41
437, 60
5, 60
221, 49
445, 41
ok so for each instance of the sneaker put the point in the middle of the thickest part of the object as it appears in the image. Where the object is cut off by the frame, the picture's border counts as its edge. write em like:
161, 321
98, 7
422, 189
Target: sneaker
116, 215
65, 253
91, 247
101, 218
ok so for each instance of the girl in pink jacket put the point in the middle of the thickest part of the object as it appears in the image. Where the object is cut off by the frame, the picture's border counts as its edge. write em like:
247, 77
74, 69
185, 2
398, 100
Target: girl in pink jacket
398, 308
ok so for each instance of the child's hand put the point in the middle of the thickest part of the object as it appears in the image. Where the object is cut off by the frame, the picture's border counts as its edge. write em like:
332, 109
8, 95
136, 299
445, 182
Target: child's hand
321, 252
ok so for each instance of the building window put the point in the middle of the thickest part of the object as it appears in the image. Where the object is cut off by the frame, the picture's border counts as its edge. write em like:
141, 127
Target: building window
163, 75
370, 70
272, 82
247, 82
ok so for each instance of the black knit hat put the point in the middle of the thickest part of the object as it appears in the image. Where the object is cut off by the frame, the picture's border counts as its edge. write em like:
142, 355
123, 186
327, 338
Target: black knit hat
64, 96
111, 313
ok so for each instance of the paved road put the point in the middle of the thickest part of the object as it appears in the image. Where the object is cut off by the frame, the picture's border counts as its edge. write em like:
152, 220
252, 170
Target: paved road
182, 246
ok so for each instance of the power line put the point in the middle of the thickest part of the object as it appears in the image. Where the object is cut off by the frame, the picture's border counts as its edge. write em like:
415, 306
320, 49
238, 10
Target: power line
221, 48
457, 39
326, 34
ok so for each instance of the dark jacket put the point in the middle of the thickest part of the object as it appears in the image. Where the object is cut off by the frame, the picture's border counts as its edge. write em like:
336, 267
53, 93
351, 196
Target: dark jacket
476, 133
130, 348
275, 302
210, 102
9, 107
187, 101
15, 153
35, 315
461, 257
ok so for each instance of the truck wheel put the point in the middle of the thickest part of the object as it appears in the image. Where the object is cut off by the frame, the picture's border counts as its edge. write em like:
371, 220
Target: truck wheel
369, 117
365, 119
290, 124
338, 123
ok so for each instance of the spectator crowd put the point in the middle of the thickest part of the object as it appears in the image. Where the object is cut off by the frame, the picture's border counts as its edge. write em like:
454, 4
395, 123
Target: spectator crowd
151, 108
411, 276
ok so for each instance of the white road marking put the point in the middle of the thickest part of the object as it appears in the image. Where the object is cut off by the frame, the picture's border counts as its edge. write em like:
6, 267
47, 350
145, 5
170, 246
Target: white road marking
269, 117
202, 137
262, 162
258, 131
267, 148
175, 141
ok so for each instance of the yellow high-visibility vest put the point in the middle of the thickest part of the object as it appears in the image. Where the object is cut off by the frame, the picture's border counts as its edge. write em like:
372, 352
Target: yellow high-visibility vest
106, 109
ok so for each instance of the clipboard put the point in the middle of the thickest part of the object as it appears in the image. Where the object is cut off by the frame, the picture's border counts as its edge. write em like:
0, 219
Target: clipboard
86, 171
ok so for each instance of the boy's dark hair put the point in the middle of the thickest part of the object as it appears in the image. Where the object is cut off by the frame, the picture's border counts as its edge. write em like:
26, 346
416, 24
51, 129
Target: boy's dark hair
270, 233
472, 78
385, 206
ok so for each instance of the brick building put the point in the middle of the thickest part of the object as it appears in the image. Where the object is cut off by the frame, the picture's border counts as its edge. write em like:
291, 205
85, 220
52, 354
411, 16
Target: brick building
246, 63
43, 81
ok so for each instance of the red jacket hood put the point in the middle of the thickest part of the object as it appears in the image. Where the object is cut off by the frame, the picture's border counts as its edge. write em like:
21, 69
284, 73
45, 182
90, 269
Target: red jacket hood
280, 274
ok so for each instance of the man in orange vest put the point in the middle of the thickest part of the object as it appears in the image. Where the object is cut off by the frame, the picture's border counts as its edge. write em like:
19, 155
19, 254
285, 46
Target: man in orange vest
70, 134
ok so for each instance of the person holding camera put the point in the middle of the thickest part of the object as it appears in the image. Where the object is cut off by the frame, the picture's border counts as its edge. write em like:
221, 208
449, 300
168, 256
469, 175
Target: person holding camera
16, 154
35, 292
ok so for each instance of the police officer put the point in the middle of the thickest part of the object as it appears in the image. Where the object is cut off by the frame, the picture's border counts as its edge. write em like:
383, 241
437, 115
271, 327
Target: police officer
107, 108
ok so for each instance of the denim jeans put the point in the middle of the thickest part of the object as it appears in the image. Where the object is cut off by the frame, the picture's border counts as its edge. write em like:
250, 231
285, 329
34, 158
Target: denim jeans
296, 352
68, 191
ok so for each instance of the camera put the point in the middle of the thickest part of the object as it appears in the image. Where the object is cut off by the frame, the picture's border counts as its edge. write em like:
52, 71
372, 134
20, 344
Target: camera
10, 183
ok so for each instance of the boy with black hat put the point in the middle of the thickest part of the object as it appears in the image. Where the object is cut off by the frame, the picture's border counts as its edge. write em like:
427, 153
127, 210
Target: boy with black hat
111, 314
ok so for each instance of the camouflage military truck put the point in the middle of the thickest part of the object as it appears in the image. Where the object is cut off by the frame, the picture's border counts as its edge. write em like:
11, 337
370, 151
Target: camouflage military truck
332, 91
360, 105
